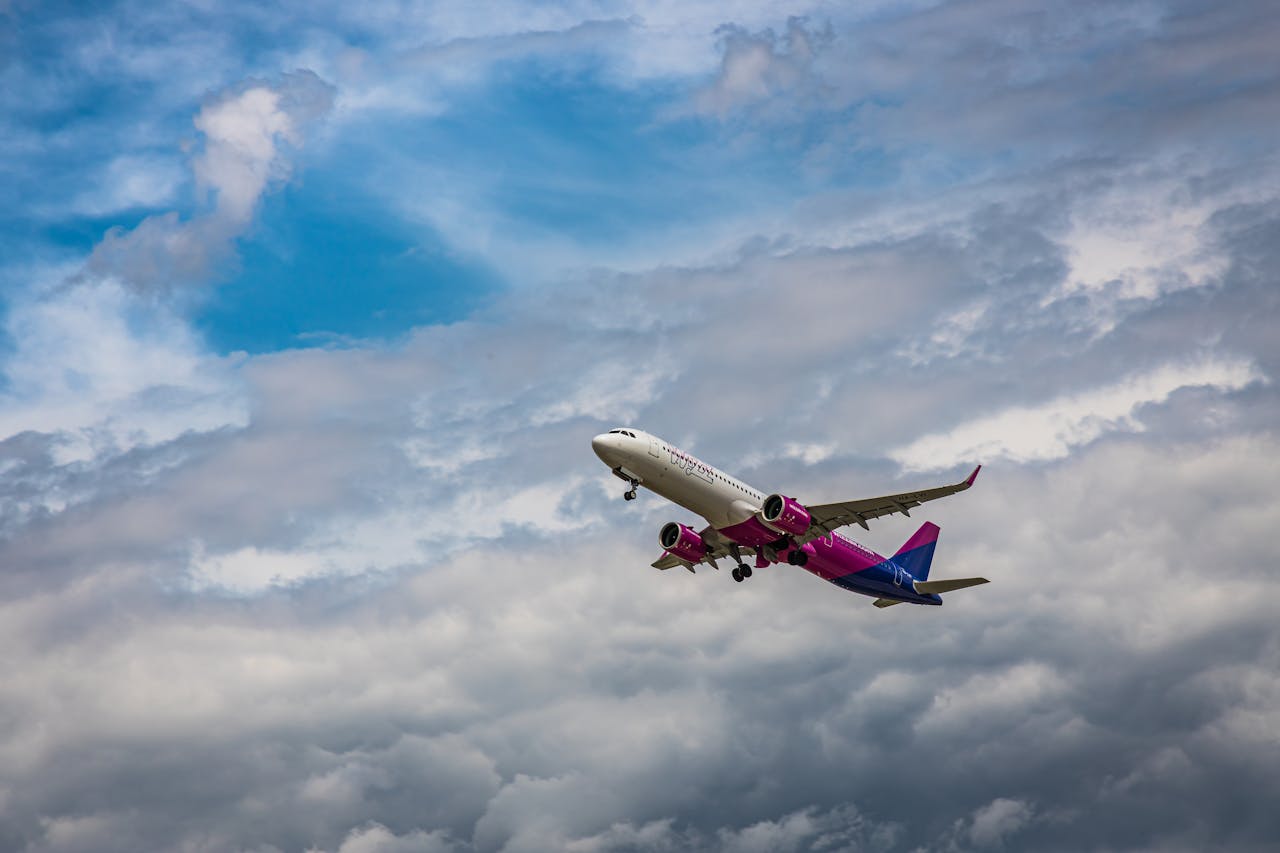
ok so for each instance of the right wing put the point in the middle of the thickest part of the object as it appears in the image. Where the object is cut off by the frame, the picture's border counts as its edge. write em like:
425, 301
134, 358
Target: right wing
825, 518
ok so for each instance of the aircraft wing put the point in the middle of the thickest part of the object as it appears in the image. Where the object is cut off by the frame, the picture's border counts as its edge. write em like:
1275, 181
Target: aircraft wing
717, 547
825, 518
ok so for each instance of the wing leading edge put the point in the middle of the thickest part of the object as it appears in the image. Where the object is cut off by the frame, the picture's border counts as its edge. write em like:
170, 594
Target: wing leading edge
824, 518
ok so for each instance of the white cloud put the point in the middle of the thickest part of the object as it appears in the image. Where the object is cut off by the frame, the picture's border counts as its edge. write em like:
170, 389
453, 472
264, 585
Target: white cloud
132, 181
105, 374
1051, 430
244, 132
375, 838
247, 133
999, 819
254, 569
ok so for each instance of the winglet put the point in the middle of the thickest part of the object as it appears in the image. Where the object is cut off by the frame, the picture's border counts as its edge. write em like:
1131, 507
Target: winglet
972, 477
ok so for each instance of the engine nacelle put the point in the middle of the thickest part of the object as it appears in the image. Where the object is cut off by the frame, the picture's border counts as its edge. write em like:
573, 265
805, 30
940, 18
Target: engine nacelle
785, 515
683, 542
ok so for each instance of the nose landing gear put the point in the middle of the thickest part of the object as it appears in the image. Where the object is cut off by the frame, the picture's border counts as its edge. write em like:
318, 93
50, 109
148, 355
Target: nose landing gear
632, 479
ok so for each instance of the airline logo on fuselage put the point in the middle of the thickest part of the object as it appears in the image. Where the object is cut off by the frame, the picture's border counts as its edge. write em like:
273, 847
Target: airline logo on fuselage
689, 465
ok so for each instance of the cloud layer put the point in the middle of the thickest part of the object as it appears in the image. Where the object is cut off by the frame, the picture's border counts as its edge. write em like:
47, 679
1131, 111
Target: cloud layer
378, 595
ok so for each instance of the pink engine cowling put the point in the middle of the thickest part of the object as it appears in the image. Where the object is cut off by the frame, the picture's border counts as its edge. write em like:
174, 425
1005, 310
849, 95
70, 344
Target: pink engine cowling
784, 514
683, 542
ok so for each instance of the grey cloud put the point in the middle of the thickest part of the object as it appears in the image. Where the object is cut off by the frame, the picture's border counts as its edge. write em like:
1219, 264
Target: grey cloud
574, 695
458, 689
759, 68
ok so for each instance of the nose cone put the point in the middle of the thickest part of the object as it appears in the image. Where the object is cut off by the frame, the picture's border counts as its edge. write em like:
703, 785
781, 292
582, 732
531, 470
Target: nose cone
605, 445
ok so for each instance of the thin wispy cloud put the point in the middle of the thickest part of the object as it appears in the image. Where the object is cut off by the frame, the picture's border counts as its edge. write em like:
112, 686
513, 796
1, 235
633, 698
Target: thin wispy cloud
1053, 429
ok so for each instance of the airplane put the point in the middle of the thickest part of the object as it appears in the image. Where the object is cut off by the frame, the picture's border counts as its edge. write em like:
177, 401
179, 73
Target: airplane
775, 527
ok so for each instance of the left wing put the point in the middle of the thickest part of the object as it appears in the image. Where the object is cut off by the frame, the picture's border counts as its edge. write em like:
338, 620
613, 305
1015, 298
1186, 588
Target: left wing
717, 547
825, 518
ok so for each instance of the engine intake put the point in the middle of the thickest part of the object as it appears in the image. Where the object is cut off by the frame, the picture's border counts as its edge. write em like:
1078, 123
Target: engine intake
683, 542
785, 515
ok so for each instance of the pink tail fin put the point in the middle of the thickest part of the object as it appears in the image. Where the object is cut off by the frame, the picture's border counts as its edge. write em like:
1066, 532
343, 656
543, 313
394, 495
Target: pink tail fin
916, 554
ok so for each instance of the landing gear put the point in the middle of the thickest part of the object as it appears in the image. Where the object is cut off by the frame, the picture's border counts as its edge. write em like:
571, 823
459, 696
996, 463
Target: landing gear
797, 558
743, 571
631, 479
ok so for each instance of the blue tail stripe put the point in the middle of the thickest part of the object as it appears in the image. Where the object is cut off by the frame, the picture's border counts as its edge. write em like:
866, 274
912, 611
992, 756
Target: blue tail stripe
917, 560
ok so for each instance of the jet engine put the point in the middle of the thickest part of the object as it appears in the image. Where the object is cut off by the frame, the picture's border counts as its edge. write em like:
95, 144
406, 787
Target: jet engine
785, 515
683, 542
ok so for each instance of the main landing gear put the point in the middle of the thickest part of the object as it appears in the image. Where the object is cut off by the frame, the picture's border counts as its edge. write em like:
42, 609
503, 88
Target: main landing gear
797, 557
741, 573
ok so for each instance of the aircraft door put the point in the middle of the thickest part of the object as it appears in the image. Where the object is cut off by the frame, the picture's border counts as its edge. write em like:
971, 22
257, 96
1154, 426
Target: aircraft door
653, 447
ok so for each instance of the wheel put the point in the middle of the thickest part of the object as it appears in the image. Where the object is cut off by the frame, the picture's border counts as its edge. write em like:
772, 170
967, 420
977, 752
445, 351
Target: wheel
631, 495
737, 575
746, 571
794, 558
801, 558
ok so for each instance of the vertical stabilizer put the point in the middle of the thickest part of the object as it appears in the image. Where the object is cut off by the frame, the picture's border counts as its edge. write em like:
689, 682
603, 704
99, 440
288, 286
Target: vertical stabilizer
916, 554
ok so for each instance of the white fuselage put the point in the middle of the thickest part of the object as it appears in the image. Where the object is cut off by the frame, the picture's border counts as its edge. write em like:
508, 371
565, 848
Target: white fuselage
678, 476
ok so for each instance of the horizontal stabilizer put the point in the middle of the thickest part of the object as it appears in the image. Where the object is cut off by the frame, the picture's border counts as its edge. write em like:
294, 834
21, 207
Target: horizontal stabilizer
928, 587
886, 602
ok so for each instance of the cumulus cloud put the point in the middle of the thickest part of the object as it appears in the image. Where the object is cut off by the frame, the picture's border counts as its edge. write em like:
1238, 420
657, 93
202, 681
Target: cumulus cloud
244, 134
376, 838
998, 820
247, 133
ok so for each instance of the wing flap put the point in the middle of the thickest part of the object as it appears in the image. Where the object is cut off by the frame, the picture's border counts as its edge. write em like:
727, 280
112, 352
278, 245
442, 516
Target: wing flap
668, 561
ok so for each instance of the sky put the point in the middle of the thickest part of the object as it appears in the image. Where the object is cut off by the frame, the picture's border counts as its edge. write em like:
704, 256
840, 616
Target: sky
308, 313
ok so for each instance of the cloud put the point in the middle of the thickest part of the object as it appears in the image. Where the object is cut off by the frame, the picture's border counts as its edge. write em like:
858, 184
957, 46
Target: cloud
763, 66
997, 820
1051, 430
376, 838
381, 596
133, 181
243, 134
103, 376
247, 133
